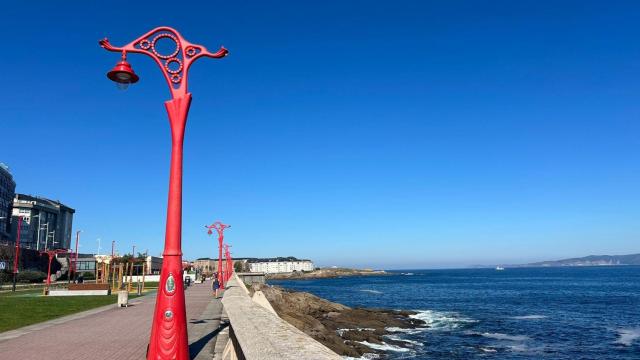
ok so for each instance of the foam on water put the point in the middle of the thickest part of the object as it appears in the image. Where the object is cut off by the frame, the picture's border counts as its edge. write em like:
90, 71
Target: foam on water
499, 336
528, 317
398, 338
371, 291
626, 337
442, 320
341, 331
406, 331
366, 356
384, 347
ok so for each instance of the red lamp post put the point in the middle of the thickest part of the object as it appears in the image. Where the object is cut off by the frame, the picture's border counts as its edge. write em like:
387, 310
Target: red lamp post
229, 264
169, 330
219, 227
75, 265
51, 254
17, 254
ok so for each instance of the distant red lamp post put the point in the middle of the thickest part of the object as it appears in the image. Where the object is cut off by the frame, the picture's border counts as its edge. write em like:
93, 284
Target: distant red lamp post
219, 227
17, 254
169, 330
75, 263
52, 254
229, 264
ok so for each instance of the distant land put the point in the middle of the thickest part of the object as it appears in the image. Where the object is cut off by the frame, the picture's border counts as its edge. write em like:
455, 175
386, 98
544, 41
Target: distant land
591, 260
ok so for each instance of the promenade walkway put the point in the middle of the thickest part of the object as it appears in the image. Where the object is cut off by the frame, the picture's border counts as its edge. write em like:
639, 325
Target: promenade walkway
112, 333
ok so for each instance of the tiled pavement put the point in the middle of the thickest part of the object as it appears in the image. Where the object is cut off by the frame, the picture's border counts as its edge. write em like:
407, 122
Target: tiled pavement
112, 333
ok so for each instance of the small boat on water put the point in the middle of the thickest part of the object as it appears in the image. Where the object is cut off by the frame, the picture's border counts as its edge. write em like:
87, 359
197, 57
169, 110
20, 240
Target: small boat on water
499, 268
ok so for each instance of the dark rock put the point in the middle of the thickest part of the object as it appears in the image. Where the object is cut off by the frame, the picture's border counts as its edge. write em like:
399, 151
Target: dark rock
338, 327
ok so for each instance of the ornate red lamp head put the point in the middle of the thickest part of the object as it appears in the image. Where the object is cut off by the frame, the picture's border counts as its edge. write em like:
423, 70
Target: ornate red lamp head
122, 74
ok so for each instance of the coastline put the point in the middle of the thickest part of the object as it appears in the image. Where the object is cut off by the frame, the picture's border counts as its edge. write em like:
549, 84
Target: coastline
326, 273
350, 332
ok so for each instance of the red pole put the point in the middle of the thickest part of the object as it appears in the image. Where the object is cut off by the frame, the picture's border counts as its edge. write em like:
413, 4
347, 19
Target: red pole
220, 272
75, 265
219, 227
49, 269
169, 329
17, 254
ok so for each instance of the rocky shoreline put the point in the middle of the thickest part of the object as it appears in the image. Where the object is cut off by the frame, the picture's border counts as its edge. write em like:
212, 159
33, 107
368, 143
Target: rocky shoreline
325, 273
351, 332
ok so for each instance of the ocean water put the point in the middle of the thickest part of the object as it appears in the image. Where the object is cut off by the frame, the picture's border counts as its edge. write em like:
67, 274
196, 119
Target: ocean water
519, 313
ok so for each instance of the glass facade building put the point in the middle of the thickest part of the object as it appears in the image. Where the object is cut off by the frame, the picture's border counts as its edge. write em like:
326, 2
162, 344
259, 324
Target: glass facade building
7, 192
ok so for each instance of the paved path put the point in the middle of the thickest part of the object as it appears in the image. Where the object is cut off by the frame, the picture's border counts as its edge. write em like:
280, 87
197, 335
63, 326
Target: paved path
112, 333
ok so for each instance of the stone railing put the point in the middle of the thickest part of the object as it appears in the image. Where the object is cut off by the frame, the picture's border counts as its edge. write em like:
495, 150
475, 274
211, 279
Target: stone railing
257, 333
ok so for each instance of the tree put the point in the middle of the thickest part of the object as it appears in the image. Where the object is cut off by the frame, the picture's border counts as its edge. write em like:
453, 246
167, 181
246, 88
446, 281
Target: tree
238, 266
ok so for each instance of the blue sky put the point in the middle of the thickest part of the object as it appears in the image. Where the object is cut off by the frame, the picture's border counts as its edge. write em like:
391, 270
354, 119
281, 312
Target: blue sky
394, 134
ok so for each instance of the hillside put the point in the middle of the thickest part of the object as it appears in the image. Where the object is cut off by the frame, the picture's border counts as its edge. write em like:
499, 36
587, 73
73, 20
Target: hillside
593, 260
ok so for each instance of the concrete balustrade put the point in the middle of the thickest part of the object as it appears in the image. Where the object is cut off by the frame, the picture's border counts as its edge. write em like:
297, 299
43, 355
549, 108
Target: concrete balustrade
259, 334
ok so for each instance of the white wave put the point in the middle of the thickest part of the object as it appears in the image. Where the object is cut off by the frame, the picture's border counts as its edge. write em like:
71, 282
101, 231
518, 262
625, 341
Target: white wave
489, 350
499, 336
384, 347
626, 337
341, 331
398, 338
371, 291
442, 320
365, 356
519, 347
407, 331
528, 317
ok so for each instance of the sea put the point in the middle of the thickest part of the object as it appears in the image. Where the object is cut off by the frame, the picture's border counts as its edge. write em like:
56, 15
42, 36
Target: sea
517, 313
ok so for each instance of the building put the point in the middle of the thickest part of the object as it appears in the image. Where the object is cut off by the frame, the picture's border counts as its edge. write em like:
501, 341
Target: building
7, 192
86, 263
46, 223
154, 265
206, 265
280, 265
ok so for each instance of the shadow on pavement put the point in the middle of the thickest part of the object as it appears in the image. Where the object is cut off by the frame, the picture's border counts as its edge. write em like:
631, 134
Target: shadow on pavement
196, 347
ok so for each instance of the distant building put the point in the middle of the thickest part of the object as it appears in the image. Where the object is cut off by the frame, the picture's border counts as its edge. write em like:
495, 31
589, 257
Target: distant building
280, 265
7, 192
86, 263
206, 265
46, 223
154, 265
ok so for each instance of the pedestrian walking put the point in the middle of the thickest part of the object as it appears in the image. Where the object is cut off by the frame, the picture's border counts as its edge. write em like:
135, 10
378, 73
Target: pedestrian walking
216, 286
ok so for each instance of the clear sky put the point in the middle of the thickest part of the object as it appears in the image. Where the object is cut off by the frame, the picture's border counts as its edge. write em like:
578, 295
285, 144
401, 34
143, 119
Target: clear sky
393, 134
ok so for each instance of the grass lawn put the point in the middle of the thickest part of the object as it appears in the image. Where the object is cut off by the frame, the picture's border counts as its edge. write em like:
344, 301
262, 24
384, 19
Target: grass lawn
27, 307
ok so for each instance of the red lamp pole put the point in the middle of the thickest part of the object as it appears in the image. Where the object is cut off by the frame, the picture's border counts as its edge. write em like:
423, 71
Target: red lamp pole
219, 227
229, 264
169, 330
51, 254
75, 265
17, 254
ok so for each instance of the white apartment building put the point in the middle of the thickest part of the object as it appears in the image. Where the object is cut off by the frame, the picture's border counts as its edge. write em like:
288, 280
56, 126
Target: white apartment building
280, 265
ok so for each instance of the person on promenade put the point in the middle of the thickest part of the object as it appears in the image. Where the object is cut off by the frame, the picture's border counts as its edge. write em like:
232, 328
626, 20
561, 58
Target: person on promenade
216, 286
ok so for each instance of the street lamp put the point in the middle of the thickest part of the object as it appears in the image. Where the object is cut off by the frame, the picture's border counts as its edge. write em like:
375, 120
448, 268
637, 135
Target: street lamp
219, 227
169, 330
51, 254
75, 263
229, 267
